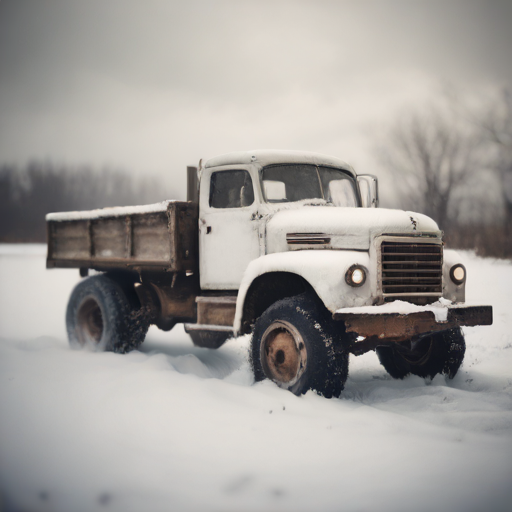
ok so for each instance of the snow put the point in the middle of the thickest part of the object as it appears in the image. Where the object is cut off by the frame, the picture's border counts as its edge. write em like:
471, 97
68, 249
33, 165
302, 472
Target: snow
113, 211
175, 427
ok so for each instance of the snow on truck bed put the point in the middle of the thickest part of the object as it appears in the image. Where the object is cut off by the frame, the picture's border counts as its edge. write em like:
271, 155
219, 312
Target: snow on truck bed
114, 211
178, 428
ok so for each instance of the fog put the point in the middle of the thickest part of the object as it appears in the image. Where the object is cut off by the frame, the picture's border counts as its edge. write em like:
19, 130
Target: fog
153, 86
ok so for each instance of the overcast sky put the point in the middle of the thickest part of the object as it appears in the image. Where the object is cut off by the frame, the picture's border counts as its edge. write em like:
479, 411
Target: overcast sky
151, 86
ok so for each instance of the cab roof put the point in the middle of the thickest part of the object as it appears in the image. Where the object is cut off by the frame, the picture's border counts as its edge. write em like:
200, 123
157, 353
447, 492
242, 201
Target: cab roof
265, 157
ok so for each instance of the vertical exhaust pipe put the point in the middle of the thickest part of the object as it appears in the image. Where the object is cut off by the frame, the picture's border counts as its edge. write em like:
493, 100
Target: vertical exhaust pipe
192, 185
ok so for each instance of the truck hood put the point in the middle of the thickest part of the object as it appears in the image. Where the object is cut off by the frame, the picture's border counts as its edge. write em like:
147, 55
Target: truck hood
344, 228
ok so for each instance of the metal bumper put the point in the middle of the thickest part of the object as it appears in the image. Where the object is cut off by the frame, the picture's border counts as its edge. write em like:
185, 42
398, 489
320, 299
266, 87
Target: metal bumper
398, 327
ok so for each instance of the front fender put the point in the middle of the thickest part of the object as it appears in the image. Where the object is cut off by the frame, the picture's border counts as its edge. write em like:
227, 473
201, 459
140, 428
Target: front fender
324, 270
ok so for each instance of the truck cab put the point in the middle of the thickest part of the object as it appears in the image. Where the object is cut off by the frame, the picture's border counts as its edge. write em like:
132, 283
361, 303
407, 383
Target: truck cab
240, 193
263, 212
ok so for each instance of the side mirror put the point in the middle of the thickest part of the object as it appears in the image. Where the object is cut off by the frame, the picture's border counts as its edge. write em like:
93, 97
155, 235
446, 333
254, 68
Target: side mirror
369, 189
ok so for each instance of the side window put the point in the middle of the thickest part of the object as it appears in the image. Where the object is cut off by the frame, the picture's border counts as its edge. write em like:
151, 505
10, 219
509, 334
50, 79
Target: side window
231, 189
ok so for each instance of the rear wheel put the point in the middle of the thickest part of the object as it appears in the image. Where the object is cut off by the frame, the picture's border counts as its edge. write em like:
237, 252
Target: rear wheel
439, 353
297, 345
101, 316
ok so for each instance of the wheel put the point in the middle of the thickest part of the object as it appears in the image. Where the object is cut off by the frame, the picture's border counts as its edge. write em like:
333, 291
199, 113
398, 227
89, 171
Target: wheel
101, 316
208, 339
296, 344
442, 352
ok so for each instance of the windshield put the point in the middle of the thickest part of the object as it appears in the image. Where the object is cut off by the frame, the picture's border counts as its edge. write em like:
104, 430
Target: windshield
295, 182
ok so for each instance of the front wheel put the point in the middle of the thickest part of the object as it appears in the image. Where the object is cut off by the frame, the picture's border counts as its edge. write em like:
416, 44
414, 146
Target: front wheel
439, 353
296, 344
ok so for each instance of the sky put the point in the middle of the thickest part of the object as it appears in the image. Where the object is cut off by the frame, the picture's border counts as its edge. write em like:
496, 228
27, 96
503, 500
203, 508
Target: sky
153, 86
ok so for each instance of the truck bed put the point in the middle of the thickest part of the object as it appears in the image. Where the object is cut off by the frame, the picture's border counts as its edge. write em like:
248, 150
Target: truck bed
159, 237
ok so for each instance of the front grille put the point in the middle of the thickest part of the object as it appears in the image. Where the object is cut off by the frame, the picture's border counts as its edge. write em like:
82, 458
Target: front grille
412, 271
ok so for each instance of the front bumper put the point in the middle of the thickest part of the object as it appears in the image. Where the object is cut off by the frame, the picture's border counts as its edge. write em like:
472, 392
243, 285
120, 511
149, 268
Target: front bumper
384, 324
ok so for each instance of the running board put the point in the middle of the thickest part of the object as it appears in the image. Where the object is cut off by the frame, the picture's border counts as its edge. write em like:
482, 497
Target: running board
208, 327
216, 310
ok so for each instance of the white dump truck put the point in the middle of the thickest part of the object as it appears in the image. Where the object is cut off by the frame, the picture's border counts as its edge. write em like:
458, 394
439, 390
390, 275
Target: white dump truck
289, 247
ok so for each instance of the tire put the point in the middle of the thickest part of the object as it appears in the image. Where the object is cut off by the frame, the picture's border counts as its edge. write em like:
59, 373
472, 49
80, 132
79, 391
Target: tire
100, 316
296, 344
208, 339
439, 353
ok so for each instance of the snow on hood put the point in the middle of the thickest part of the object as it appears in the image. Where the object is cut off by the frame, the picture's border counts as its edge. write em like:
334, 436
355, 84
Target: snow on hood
350, 228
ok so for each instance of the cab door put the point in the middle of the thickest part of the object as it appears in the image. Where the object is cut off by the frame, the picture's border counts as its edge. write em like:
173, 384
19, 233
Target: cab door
229, 227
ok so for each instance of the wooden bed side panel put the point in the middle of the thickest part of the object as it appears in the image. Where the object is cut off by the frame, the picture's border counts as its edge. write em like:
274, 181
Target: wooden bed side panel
165, 239
150, 238
108, 238
69, 240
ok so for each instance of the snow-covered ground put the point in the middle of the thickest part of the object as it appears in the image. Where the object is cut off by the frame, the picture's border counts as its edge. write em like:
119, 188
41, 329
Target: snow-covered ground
174, 427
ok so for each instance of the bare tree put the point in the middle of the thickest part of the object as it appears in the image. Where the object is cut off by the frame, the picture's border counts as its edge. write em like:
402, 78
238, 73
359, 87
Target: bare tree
496, 125
432, 156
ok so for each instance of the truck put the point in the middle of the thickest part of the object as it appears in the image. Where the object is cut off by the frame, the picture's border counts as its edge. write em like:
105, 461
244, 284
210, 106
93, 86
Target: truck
288, 247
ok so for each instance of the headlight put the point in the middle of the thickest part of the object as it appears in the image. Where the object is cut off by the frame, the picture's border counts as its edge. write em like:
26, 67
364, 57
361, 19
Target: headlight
458, 273
356, 275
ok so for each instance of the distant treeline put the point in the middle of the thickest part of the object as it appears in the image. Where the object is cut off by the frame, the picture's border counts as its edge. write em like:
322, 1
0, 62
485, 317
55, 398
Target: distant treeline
488, 240
28, 193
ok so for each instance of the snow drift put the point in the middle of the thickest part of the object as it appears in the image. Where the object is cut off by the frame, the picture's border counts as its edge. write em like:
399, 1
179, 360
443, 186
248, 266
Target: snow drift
175, 427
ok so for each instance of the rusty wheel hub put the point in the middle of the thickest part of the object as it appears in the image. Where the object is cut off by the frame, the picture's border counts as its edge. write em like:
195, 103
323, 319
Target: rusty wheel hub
89, 322
283, 353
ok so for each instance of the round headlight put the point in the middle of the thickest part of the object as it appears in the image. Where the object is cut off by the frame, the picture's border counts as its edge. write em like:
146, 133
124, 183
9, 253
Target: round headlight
356, 275
458, 273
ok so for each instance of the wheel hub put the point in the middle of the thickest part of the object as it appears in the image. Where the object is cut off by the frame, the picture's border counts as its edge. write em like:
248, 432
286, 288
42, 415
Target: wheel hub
283, 353
89, 322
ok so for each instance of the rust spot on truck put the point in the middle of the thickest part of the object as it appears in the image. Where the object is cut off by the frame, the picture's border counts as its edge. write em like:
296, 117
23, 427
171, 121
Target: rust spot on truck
399, 327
